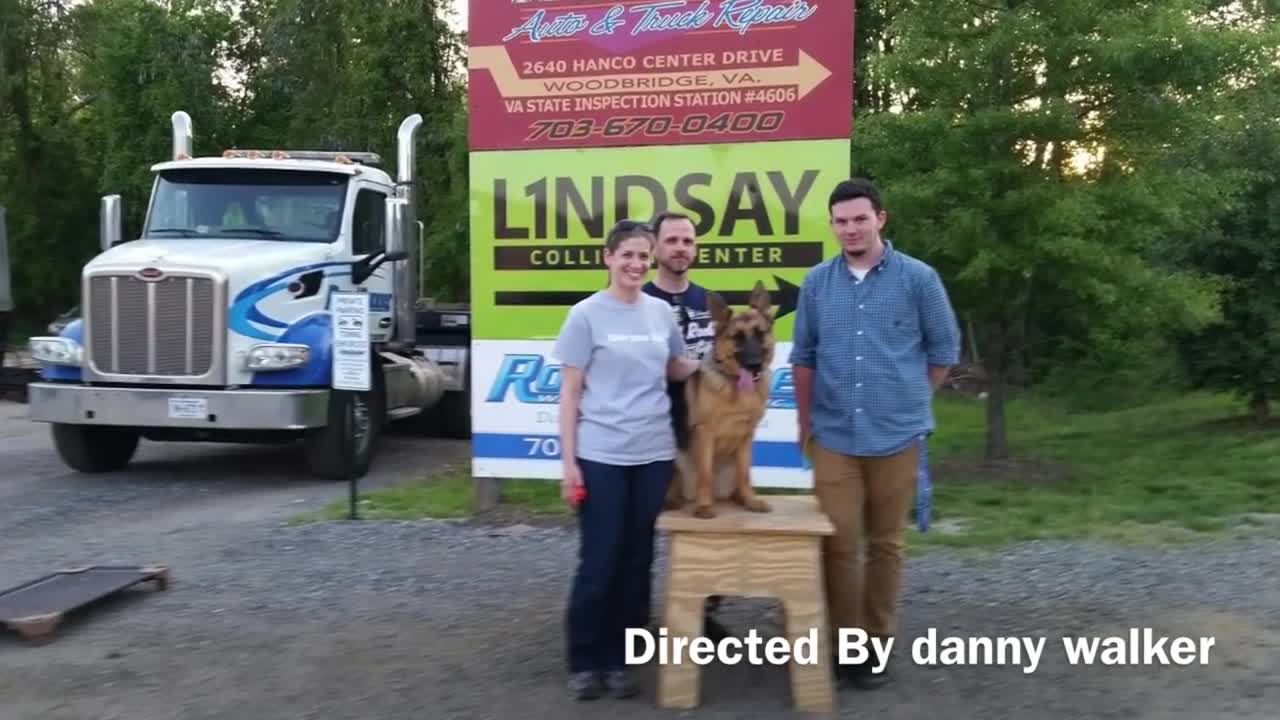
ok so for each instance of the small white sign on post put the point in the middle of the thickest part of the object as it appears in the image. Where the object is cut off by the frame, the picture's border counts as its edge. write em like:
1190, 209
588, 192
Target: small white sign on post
351, 366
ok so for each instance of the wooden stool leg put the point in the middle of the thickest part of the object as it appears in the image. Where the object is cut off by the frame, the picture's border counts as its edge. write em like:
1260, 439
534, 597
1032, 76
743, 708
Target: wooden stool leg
812, 686
679, 683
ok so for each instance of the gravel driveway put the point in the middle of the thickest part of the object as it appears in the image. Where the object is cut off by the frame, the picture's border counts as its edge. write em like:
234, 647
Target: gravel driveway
442, 620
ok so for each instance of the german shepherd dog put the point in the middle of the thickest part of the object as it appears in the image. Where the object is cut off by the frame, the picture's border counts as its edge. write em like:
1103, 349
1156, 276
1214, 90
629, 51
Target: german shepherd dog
723, 404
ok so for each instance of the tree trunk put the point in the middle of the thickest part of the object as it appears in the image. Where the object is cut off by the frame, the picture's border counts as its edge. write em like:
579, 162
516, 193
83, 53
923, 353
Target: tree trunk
997, 379
1260, 407
974, 357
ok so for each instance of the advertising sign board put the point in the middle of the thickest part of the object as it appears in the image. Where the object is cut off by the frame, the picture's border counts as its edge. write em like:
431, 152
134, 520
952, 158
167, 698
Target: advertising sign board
583, 73
539, 218
586, 112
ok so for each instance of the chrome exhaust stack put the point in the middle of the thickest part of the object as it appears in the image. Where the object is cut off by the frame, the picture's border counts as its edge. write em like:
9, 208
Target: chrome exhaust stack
110, 222
182, 136
406, 271
406, 151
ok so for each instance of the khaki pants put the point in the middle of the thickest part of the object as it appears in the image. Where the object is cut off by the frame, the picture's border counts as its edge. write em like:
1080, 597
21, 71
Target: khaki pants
867, 499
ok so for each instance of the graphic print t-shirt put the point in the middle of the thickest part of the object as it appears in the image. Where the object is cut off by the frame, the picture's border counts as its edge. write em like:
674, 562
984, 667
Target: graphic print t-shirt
623, 350
692, 317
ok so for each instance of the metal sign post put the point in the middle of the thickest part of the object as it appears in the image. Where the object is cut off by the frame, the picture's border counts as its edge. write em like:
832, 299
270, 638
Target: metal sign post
352, 370
6, 289
352, 512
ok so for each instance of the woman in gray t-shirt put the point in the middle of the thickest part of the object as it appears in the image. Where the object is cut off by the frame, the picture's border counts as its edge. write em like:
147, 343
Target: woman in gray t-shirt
617, 348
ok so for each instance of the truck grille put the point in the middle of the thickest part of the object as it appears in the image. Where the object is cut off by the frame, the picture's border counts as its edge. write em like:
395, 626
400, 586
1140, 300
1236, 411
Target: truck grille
162, 327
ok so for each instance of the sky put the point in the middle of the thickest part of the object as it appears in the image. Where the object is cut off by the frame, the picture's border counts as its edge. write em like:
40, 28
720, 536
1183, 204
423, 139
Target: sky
460, 10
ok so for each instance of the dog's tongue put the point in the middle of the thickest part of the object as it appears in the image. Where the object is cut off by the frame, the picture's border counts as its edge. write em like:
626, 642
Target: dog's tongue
744, 380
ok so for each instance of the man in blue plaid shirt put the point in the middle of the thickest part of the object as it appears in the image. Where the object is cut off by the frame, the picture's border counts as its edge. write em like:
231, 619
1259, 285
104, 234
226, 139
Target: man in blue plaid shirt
874, 337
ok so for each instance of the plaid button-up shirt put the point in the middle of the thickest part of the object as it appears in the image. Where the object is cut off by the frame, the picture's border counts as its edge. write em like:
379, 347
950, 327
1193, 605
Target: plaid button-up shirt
870, 343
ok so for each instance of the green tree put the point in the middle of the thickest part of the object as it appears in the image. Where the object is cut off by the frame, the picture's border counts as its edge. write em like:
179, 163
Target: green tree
44, 172
138, 62
1030, 162
87, 90
1240, 353
872, 93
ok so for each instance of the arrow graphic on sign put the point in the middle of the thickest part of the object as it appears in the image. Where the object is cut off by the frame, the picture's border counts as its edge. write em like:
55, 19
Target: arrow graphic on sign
785, 297
805, 75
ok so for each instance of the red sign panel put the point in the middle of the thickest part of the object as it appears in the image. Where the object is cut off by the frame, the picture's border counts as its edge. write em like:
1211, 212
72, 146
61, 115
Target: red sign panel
587, 73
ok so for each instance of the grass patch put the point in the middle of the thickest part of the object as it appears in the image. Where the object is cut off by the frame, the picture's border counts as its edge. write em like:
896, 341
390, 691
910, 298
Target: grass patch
1175, 471
444, 494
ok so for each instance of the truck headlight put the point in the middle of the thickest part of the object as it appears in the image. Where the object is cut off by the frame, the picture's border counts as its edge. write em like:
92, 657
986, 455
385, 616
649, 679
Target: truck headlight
56, 350
277, 356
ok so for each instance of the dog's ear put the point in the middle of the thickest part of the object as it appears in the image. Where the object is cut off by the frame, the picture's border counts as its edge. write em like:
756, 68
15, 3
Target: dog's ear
760, 300
720, 311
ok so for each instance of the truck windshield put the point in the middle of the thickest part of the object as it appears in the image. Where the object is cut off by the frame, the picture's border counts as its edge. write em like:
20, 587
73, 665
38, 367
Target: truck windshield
280, 205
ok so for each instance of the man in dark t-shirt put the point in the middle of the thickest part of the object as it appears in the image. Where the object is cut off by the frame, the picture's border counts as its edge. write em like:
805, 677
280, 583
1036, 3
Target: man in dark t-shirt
677, 247
692, 315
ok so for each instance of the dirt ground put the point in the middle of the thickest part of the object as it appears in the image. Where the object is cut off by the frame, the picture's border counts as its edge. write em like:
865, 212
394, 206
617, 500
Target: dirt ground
442, 620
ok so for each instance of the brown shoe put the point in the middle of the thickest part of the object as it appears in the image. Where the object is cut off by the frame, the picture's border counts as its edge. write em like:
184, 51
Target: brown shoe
862, 676
843, 672
865, 677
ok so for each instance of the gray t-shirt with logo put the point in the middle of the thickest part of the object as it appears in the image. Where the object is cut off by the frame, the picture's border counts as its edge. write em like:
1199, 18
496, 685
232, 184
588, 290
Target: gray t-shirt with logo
624, 416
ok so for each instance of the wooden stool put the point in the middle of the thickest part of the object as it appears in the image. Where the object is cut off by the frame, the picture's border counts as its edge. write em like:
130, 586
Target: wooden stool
776, 554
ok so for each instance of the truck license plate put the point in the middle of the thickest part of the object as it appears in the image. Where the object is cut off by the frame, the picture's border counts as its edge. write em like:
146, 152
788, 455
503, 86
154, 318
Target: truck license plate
188, 408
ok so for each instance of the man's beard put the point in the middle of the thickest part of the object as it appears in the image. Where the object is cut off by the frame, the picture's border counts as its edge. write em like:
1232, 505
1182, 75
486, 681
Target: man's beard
673, 270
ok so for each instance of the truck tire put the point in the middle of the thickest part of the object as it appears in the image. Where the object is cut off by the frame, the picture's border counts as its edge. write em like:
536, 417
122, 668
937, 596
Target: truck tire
452, 415
95, 448
343, 449
450, 418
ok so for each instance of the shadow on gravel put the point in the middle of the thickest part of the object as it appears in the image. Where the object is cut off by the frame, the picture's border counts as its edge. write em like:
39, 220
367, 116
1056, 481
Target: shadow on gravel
249, 466
232, 464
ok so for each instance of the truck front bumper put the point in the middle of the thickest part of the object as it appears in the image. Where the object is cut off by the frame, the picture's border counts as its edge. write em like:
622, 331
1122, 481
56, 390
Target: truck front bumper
256, 409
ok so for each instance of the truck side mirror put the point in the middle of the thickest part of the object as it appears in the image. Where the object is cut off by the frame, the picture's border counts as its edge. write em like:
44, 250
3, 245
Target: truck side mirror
397, 229
395, 225
110, 222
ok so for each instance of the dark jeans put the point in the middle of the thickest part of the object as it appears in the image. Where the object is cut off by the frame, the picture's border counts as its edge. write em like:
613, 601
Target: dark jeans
612, 586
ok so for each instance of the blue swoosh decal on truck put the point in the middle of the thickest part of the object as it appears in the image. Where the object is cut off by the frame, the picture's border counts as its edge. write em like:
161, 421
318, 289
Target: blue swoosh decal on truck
315, 332
244, 311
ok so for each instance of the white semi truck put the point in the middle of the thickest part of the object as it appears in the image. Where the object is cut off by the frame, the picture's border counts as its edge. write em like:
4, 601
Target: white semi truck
216, 322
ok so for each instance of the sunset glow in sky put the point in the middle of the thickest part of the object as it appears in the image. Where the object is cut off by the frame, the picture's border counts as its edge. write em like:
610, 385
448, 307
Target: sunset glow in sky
460, 17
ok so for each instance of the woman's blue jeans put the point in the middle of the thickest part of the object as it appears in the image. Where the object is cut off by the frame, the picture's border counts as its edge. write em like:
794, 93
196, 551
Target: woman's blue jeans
612, 585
